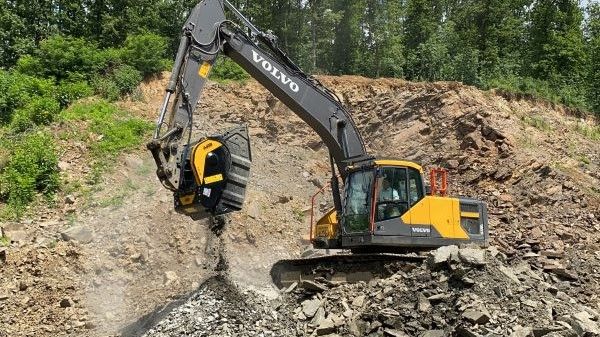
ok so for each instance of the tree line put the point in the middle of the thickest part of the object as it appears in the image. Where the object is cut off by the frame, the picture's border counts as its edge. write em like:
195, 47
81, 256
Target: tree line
548, 48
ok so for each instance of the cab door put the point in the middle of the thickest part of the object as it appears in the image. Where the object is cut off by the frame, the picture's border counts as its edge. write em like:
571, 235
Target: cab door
391, 200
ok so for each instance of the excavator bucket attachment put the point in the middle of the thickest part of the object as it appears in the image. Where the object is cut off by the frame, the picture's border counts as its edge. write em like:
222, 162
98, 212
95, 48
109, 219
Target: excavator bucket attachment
215, 175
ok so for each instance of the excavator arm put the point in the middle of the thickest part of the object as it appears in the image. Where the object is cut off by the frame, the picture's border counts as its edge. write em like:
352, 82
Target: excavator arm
209, 176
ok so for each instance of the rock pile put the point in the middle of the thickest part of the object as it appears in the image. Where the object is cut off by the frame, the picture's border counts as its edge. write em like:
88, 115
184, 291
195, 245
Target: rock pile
465, 292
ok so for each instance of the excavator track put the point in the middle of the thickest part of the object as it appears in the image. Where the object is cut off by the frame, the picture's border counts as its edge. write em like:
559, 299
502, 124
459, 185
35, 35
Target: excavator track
341, 268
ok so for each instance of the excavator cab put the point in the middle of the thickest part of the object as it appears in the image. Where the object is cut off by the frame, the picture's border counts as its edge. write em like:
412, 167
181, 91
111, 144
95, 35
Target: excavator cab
385, 205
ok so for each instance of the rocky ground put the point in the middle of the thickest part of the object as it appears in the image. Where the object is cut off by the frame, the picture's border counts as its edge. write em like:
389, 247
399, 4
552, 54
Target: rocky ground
114, 259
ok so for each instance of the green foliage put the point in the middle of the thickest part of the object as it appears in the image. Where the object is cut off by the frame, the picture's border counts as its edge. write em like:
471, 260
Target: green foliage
32, 167
68, 92
38, 111
591, 132
145, 52
111, 130
226, 69
106, 88
126, 78
18, 90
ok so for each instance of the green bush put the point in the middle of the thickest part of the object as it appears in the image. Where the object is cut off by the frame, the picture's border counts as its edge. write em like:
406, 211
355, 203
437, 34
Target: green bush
145, 52
68, 92
39, 111
32, 167
226, 69
60, 56
17, 90
126, 78
106, 88
117, 129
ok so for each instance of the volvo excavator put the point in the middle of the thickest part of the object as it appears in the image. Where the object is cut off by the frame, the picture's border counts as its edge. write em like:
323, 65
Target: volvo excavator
378, 203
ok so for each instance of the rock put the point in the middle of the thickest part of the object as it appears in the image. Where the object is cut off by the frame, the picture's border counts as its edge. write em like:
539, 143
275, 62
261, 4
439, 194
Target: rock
442, 255
310, 307
291, 288
3, 296
453, 164
77, 233
394, 333
583, 325
438, 298
472, 140
69, 199
472, 256
2, 255
326, 327
312, 286
170, 277
509, 274
476, 316
318, 317
464, 332
358, 301
520, 331
423, 304
253, 210
65, 303
433, 333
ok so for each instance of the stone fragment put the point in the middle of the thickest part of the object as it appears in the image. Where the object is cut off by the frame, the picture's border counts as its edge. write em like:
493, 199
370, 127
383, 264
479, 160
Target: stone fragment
464, 332
310, 307
423, 305
326, 327
358, 301
476, 316
69, 199
520, 331
170, 277
318, 317
312, 286
509, 274
472, 256
394, 333
65, 303
77, 233
583, 325
442, 255
453, 163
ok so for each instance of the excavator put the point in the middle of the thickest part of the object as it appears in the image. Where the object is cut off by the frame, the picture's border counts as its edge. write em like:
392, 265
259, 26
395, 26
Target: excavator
378, 203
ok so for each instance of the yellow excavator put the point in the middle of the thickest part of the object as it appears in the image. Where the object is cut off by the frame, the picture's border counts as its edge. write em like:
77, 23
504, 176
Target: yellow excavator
379, 204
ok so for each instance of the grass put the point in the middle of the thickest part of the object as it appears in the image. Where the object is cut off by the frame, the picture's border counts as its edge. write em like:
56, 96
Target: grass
4, 241
298, 214
109, 132
590, 132
537, 122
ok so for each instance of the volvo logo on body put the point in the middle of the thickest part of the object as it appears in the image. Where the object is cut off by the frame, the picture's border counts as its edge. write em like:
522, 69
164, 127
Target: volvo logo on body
257, 58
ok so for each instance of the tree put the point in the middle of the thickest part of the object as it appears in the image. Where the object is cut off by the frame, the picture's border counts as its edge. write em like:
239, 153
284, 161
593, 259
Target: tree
593, 48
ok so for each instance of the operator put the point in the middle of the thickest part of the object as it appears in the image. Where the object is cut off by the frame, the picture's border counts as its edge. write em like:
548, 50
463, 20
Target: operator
387, 192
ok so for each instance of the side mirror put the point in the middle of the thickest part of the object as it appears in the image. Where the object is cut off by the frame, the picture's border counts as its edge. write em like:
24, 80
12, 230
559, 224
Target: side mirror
427, 190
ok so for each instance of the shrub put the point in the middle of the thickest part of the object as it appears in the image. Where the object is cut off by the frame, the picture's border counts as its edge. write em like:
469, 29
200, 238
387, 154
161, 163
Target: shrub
126, 78
40, 111
32, 167
17, 90
59, 56
68, 92
226, 69
106, 88
145, 52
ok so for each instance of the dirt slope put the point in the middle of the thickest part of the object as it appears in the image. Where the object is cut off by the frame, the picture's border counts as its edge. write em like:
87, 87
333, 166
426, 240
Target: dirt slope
128, 254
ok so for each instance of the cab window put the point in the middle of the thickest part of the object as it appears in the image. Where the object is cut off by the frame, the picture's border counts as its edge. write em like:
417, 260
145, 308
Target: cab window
357, 203
392, 193
415, 186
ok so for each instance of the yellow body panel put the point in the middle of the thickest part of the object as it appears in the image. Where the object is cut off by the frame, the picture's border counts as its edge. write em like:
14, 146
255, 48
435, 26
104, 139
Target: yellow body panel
204, 69
199, 154
441, 212
327, 226
393, 162
186, 199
